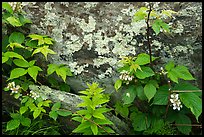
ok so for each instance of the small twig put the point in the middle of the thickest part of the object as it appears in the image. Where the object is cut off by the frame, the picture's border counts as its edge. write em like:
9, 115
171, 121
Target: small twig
193, 125
186, 91
93, 122
167, 107
148, 39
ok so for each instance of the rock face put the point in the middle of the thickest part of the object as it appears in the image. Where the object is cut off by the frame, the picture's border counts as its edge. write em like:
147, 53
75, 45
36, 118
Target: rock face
92, 36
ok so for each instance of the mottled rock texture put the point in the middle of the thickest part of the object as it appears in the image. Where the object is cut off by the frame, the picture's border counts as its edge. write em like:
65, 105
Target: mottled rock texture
92, 36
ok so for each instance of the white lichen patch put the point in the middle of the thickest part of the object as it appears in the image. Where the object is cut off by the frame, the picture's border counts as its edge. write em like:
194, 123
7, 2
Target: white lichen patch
103, 60
130, 11
89, 5
179, 29
102, 46
184, 49
61, 97
123, 49
108, 72
88, 39
157, 44
77, 69
57, 34
73, 45
87, 27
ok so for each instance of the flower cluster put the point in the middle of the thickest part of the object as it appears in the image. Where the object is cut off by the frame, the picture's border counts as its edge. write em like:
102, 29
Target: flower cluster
34, 95
175, 101
13, 88
126, 77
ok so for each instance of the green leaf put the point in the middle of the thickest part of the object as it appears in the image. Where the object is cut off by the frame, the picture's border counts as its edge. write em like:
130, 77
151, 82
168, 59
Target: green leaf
172, 74
143, 59
146, 72
156, 124
23, 109
82, 126
122, 109
15, 115
16, 37
25, 99
103, 121
17, 72
161, 96
156, 26
168, 12
17, 45
98, 115
108, 129
78, 119
139, 121
25, 122
183, 73
21, 63
44, 50
64, 113
94, 129
13, 55
31, 63
129, 95
56, 106
51, 68
62, 71
53, 114
32, 43
7, 6
140, 92
165, 26
36, 113
37, 37
140, 14
183, 119
33, 71
12, 124
101, 110
118, 84
187, 86
14, 21
64, 87
192, 101
149, 91
48, 40
24, 20
169, 65
46, 103
4, 59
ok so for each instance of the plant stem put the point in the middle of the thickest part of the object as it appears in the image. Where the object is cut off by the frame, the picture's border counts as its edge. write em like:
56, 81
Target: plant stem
167, 107
93, 123
148, 35
195, 125
173, 91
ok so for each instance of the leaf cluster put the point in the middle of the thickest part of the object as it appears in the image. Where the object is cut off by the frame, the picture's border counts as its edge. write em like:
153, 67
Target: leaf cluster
91, 118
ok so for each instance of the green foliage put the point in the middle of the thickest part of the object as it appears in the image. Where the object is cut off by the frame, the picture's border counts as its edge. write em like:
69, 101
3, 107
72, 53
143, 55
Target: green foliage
158, 24
129, 95
55, 111
118, 84
44, 50
122, 109
178, 72
18, 51
91, 117
60, 70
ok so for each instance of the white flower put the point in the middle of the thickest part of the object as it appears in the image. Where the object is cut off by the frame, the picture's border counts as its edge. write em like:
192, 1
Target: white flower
175, 101
128, 94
